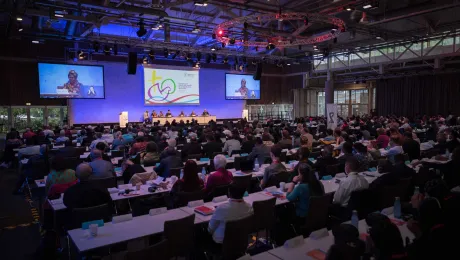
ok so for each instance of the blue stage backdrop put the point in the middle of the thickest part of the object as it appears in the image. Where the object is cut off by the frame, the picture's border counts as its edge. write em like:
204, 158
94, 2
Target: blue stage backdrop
125, 92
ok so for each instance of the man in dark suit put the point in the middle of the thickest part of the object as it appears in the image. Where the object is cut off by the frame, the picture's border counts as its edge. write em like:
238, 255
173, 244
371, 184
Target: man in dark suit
191, 148
84, 194
396, 172
411, 147
248, 144
211, 146
325, 160
259, 152
172, 160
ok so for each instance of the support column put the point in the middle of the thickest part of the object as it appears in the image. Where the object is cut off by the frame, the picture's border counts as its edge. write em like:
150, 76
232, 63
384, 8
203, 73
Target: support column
329, 90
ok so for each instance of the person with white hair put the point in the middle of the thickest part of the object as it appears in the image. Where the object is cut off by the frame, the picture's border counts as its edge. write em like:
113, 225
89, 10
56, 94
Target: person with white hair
221, 176
171, 147
62, 138
118, 140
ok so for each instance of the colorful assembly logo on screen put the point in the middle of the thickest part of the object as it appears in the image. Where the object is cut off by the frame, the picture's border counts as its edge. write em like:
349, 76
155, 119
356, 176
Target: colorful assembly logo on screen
171, 87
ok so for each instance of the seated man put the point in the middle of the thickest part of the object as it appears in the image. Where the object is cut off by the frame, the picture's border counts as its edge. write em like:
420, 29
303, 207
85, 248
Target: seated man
181, 114
98, 140
211, 146
205, 113
191, 148
351, 183
235, 209
168, 114
171, 146
221, 176
161, 114
275, 167
259, 152
31, 149
84, 194
193, 114
154, 114
171, 160
62, 138
101, 168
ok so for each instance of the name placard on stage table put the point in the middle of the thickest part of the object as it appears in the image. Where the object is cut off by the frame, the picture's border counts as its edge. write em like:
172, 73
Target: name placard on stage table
123, 117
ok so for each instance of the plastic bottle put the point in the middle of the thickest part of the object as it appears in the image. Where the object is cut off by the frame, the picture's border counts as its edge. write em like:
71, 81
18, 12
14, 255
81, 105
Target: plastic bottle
181, 173
203, 173
256, 165
354, 218
293, 141
397, 208
416, 190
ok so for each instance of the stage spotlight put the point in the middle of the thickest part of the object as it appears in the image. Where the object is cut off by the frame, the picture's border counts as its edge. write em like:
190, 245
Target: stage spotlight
305, 20
198, 56
213, 48
232, 41
165, 53
20, 29
151, 54
142, 31
214, 57
107, 50
115, 49
220, 32
19, 19
145, 60
201, 3
96, 46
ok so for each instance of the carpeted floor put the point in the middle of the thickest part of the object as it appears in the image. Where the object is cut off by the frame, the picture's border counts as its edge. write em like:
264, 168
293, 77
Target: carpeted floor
19, 237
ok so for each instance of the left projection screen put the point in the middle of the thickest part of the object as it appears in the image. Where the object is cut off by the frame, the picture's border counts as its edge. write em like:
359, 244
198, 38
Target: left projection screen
171, 87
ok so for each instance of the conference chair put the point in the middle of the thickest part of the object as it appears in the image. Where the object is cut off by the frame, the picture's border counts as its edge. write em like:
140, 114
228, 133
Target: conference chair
159, 251
217, 192
181, 199
242, 181
180, 236
275, 179
264, 216
104, 183
80, 215
237, 162
318, 214
236, 237
389, 193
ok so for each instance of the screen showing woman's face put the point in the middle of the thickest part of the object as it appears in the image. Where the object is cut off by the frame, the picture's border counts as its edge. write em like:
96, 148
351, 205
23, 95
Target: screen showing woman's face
243, 83
72, 79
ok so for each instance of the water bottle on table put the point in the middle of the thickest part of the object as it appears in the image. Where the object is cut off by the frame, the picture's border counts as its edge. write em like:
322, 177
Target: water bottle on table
397, 208
354, 218
256, 165
181, 173
203, 173
416, 190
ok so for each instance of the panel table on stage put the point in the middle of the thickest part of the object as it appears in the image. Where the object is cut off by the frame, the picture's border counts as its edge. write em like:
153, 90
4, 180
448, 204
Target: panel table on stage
200, 119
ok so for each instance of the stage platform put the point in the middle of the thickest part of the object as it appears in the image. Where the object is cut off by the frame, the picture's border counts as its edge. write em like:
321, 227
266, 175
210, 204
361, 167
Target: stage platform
200, 119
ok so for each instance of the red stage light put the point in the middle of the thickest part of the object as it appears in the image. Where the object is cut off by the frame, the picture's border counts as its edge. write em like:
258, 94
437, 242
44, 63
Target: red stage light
221, 32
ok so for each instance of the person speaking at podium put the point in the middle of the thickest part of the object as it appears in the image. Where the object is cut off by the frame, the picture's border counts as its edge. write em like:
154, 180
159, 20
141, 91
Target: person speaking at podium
193, 114
146, 117
205, 113
181, 114
161, 114
168, 114
154, 114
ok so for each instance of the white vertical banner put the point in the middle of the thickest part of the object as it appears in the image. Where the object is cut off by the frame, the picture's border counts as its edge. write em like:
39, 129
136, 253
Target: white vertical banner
123, 117
331, 114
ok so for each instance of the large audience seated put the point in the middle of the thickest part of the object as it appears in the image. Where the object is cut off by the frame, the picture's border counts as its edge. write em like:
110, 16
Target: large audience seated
375, 154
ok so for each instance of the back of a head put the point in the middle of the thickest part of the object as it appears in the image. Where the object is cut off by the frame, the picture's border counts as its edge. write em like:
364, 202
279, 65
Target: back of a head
345, 233
62, 133
360, 148
171, 151
276, 151
220, 161
347, 148
436, 188
96, 154
151, 147
259, 141
101, 146
304, 152
430, 214
236, 192
328, 150
58, 163
352, 163
193, 139
387, 239
266, 137
172, 142
286, 134
98, 135
210, 138
329, 132
83, 171
408, 135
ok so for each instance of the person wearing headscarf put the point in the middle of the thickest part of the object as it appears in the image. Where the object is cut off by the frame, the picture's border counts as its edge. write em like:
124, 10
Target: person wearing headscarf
73, 86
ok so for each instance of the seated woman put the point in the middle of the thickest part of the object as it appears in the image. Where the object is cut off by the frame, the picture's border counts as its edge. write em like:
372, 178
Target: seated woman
302, 155
190, 182
308, 186
60, 173
151, 155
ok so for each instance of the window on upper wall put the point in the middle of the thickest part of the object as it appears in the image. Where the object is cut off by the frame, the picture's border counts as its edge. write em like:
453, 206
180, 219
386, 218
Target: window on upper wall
359, 102
321, 103
341, 97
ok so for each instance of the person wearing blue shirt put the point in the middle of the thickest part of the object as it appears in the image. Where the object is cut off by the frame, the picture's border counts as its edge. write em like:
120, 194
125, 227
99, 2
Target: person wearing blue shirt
308, 185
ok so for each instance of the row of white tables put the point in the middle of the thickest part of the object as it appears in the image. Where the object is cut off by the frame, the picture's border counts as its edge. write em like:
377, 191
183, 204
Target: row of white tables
145, 225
